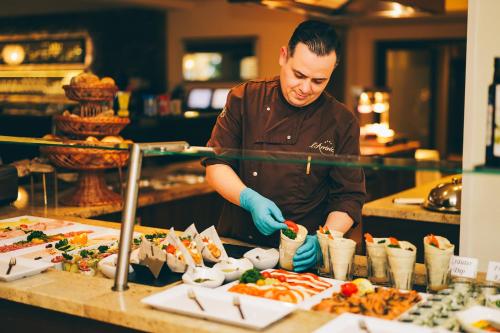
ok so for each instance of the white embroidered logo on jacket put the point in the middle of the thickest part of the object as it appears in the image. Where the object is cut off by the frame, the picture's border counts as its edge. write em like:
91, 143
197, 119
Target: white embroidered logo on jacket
325, 148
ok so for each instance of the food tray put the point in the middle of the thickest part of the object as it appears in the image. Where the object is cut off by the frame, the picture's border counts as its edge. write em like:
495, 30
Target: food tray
87, 126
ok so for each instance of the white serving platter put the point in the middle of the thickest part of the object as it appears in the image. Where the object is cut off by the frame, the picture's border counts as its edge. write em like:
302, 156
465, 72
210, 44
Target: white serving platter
23, 268
305, 304
348, 322
259, 312
467, 317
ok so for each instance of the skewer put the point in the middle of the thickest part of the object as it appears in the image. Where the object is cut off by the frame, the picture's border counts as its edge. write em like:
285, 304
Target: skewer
237, 303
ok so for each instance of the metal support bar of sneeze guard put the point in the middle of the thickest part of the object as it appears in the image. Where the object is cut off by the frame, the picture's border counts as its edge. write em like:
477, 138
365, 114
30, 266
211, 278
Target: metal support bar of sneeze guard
129, 209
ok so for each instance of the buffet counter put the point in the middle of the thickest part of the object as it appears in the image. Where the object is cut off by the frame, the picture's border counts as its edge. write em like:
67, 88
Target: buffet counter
92, 298
386, 208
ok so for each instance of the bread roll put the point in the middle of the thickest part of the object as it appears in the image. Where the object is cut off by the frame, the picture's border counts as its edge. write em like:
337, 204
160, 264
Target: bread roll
107, 82
112, 139
92, 139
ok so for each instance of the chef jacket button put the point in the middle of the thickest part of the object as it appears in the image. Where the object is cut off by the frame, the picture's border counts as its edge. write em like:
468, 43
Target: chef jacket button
268, 108
254, 173
250, 237
288, 137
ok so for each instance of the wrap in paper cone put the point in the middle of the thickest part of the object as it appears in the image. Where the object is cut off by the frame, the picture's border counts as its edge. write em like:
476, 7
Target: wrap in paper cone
341, 251
437, 262
211, 246
176, 261
377, 260
324, 268
402, 264
288, 247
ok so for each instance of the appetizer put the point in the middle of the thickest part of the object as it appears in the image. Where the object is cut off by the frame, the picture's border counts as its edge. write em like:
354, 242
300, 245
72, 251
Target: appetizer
211, 246
290, 240
280, 285
386, 303
39, 237
341, 252
377, 259
401, 256
437, 254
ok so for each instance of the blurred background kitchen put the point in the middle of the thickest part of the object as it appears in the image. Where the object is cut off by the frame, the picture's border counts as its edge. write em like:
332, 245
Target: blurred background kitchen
402, 72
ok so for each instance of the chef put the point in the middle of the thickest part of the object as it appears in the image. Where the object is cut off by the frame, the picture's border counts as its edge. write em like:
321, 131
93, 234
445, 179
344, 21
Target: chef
290, 113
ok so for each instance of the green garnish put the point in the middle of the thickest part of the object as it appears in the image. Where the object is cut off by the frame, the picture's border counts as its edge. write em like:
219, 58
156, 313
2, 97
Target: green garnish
188, 237
103, 248
382, 241
497, 303
84, 253
67, 256
62, 243
36, 234
200, 280
251, 276
137, 241
394, 246
155, 235
432, 244
289, 233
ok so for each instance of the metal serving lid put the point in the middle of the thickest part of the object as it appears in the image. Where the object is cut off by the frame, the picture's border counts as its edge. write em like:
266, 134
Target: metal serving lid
446, 197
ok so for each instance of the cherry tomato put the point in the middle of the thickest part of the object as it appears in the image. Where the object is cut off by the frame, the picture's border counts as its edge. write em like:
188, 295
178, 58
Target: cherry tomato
186, 242
265, 275
23, 226
292, 225
281, 278
347, 289
171, 249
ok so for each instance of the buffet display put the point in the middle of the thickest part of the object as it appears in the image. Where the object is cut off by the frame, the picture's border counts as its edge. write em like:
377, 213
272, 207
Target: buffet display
91, 122
253, 292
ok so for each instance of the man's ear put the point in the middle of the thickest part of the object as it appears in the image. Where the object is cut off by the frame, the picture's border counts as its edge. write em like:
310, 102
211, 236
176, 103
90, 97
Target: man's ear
283, 55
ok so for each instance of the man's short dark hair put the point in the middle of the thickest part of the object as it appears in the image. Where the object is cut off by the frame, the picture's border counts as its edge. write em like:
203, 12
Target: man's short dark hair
320, 37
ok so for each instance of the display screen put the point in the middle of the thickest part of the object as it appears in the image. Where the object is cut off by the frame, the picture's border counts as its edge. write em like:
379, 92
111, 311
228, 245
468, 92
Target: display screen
199, 98
219, 98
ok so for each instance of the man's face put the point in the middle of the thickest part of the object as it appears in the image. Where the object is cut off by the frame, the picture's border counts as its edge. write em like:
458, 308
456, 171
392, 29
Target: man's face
304, 76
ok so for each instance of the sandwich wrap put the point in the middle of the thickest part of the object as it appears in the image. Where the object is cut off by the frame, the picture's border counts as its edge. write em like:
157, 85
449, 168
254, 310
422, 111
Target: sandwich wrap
288, 247
377, 259
341, 252
323, 244
437, 262
401, 264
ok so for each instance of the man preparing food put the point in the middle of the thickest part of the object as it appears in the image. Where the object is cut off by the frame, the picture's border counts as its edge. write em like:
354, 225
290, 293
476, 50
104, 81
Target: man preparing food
290, 113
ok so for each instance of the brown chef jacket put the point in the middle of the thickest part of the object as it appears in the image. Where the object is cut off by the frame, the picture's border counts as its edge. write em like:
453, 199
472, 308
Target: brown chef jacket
257, 117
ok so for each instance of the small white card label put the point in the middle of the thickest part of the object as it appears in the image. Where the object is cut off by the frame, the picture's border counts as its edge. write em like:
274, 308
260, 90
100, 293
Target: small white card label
464, 267
493, 273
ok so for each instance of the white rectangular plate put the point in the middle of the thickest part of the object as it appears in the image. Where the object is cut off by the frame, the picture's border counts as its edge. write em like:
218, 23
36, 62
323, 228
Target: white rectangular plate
348, 322
218, 304
23, 268
305, 304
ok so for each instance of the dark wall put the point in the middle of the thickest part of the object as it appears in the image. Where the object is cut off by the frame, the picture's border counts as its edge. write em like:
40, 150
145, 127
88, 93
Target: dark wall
127, 42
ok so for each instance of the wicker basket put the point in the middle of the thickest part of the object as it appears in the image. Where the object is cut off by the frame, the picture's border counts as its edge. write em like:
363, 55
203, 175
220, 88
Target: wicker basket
91, 189
90, 94
93, 100
90, 126
86, 158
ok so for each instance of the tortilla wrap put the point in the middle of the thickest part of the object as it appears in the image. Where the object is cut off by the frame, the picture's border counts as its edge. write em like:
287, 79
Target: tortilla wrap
341, 252
288, 247
324, 267
377, 260
437, 262
402, 264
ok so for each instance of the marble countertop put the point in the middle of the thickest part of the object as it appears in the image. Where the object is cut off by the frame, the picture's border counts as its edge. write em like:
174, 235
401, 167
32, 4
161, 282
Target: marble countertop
92, 298
385, 207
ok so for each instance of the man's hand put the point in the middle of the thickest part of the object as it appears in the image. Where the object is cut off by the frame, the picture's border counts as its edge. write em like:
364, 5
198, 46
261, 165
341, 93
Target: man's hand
307, 255
266, 215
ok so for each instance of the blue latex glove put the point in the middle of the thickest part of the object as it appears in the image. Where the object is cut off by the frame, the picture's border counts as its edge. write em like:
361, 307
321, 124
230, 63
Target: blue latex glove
306, 255
266, 215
